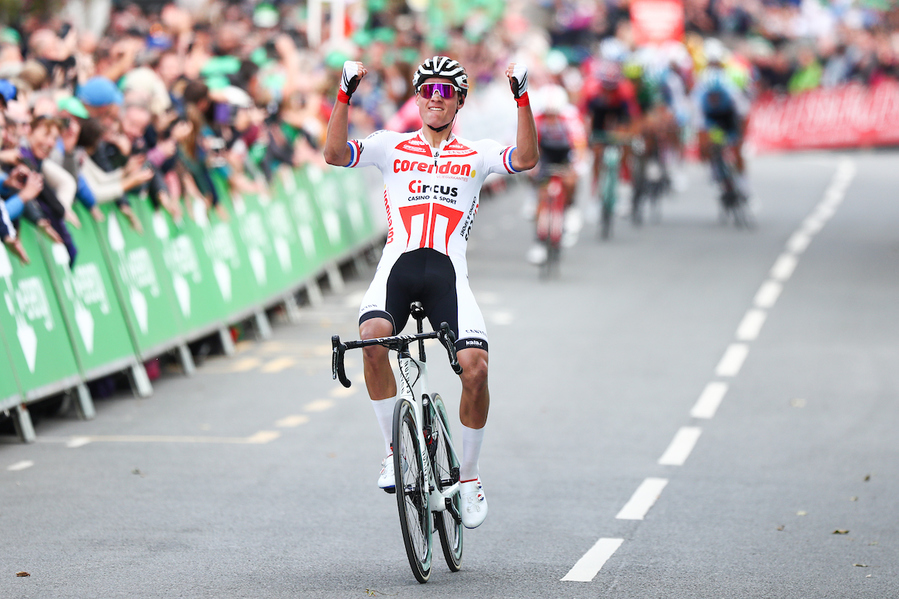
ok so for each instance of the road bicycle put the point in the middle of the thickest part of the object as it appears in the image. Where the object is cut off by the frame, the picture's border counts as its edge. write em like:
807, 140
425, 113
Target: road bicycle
551, 219
425, 462
650, 180
608, 190
732, 198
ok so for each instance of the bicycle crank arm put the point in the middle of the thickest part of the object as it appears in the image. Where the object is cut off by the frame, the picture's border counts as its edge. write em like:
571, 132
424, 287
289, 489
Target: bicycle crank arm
452, 510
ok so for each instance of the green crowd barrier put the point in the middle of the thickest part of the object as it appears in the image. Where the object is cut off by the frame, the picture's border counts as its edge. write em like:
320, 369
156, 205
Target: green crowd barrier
10, 396
38, 341
141, 282
135, 294
90, 308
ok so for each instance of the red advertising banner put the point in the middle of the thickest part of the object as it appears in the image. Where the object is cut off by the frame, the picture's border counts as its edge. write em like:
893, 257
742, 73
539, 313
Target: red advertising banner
844, 117
657, 21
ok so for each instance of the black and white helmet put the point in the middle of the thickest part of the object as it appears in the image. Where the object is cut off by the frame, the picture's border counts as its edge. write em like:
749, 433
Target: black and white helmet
445, 68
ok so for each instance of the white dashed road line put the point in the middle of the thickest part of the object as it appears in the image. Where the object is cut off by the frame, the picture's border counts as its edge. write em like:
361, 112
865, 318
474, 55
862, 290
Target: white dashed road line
23, 465
767, 294
586, 568
784, 267
709, 400
681, 446
643, 498
751, 325
729, 366
732, 360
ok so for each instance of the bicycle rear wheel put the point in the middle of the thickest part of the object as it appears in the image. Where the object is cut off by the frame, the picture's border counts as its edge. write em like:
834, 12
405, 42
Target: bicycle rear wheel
412, 491
446, 473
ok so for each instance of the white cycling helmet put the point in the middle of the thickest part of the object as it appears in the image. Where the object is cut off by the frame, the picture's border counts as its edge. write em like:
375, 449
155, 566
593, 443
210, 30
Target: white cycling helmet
553, 99
612, 49
443, 67
715, 51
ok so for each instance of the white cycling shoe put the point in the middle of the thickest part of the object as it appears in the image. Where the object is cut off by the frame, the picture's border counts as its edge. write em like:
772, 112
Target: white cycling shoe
474, 503
386, 479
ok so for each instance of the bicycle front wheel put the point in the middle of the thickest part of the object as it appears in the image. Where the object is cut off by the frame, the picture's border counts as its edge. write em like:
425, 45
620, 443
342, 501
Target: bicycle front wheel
446, 473
412, 490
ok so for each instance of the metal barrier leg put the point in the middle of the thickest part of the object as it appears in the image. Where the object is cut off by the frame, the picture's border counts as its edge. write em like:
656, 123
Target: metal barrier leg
315, 293
22, 421
292, 308
85, 403
187, 360
360, 263
335, 279
227, 341
140, 382
263, 327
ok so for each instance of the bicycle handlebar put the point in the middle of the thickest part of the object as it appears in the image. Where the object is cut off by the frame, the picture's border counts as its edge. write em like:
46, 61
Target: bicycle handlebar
396, 342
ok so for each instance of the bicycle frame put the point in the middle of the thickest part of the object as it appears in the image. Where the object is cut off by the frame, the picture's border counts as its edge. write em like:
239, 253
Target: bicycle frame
438, 500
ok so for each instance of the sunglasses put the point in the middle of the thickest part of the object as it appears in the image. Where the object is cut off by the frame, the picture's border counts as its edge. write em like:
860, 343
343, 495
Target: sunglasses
446, 90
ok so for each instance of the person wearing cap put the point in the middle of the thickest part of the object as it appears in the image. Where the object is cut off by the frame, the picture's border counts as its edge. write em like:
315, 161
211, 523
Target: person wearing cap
73, 113
102, 100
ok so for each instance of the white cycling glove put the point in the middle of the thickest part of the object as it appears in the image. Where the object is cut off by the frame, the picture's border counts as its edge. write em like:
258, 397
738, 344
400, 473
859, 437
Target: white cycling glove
352, 74
519, 80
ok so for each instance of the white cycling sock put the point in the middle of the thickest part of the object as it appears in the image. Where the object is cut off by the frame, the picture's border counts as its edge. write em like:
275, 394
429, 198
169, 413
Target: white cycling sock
384, 413
471, 450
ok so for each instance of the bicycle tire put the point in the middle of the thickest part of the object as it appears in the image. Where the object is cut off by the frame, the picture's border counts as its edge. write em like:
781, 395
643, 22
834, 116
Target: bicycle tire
605, 228
446, 473
412, 491
742, 216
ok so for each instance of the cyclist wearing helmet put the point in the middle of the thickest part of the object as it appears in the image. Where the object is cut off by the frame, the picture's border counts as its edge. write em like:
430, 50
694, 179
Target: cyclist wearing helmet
562, 138
432, 182
721, 105
560, 135
609, 104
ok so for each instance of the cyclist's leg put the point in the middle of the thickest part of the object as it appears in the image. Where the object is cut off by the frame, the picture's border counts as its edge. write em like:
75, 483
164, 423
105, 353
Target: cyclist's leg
385, 310
460, 310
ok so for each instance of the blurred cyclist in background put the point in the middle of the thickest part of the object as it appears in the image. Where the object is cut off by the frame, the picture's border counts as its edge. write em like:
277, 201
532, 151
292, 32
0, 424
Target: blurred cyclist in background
561, 137
609, 104
721, 105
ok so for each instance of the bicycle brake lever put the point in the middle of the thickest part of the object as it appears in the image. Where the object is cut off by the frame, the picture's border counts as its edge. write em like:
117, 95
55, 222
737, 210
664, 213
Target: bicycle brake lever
448, 338
337, 369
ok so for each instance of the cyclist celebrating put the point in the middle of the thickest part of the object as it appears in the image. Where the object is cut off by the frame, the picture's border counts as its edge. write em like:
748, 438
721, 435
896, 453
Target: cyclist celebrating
432, 182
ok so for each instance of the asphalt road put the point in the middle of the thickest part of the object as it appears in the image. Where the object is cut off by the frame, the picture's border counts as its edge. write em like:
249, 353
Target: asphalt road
688, 410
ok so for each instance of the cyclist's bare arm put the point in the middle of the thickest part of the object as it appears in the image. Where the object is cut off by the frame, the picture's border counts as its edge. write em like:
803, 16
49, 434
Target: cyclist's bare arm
336, 151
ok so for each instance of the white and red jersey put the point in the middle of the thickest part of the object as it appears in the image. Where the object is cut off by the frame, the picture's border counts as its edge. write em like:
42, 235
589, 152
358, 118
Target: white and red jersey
431, 197
430, 194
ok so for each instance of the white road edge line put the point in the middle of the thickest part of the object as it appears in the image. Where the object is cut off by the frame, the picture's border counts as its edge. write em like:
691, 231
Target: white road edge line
732, 360
709, 400
586, 568
681, 446
643, 499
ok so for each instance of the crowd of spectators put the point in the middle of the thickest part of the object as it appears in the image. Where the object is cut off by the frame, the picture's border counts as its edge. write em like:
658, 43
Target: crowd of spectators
185, 104
793, 45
